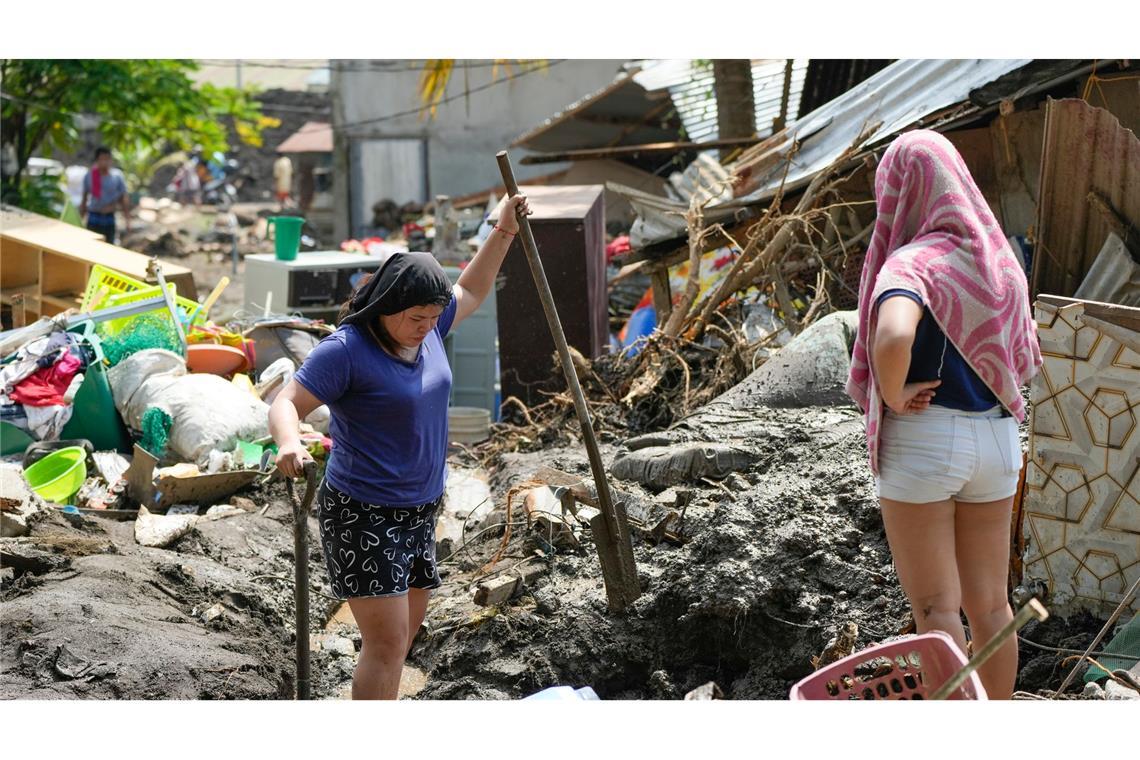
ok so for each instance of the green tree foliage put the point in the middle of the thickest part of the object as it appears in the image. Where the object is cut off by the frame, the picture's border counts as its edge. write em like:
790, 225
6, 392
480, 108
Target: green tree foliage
137, 103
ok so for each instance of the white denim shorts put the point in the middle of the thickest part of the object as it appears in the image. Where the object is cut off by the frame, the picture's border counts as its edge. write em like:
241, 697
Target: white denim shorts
940, 454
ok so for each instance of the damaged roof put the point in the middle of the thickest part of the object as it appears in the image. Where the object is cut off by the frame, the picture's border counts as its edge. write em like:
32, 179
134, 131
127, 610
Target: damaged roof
690, 85
936, 94
621, 113
658, 101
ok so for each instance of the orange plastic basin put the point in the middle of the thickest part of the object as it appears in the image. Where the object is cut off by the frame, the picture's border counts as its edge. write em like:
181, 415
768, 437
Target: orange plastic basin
213, 359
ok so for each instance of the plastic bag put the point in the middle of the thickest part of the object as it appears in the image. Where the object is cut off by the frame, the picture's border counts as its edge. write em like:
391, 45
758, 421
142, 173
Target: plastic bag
208, 412
285, 368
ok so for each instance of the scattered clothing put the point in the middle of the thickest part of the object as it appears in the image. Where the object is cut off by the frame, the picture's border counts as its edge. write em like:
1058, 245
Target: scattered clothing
36, 355
617, 247
47, 386
47, 422
34, 384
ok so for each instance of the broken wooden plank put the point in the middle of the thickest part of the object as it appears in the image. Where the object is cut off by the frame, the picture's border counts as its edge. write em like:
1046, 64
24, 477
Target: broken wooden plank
508, 585
647, 520
627, 151
546, 513
662, 295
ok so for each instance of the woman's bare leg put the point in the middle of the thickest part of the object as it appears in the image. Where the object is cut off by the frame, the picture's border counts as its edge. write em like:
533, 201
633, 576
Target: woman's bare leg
383, 623
921, 537
417, 610
982, 533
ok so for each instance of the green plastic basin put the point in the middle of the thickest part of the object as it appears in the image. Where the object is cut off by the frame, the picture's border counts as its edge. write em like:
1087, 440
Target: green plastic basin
59, 475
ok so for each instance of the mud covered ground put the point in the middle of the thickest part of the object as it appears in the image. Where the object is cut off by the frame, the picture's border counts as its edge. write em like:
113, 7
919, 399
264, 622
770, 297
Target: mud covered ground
98, 616
776, 559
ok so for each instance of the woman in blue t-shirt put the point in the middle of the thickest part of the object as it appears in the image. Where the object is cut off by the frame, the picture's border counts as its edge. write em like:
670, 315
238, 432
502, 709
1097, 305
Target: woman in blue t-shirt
385, 378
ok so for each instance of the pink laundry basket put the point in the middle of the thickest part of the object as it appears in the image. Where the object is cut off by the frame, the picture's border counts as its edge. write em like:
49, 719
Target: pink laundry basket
909, 668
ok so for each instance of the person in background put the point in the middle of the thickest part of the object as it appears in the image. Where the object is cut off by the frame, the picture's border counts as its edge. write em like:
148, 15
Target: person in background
946, 340
187, 183
104, 192
282, 178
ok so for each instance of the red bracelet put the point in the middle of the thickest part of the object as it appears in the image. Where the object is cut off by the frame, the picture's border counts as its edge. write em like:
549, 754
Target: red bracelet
500, 229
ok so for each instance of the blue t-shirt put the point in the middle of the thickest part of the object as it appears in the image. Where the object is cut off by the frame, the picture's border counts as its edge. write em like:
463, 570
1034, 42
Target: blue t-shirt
961, 387
388, 417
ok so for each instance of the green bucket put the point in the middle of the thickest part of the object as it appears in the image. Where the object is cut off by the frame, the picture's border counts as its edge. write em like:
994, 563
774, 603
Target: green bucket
59, 475
287, 241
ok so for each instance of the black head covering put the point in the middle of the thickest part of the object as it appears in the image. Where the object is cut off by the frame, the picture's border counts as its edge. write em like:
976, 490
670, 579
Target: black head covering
403, 281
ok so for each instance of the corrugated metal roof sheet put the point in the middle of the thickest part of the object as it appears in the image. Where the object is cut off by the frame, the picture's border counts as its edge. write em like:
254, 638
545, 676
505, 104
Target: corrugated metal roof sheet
596, 120
895, 98
902, 95
690, 84
312, 137
1086, 150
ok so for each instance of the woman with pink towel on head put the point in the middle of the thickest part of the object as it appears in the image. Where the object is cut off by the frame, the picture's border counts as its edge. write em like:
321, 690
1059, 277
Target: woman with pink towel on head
946, 340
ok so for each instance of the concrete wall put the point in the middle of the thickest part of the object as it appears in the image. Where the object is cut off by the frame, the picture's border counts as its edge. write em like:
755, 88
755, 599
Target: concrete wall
462, 140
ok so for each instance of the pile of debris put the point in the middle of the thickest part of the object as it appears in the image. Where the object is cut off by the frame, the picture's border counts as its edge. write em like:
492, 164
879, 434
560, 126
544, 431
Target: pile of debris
168, 229
137, 503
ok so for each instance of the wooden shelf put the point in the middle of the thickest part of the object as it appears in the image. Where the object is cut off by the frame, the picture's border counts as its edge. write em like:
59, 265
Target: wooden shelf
49, 262
30, 293
62, 300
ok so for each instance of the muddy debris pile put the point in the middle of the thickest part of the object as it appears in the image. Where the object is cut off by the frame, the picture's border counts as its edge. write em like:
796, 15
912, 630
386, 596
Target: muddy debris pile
775, 543
89, 613
773, 560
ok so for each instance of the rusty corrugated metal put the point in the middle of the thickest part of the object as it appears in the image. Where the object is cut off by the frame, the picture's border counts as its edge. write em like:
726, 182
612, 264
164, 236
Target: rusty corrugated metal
1086, 150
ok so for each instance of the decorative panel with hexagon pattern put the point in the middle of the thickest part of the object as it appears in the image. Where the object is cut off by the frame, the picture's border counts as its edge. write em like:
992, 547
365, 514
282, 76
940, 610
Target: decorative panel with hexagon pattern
1080, 514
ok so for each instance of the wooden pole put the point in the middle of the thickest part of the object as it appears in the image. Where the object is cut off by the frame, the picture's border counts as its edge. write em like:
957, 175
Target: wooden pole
615, 548
301, 576
1034, 609
628, 151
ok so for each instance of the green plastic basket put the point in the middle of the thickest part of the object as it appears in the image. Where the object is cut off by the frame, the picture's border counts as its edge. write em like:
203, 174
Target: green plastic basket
107, 288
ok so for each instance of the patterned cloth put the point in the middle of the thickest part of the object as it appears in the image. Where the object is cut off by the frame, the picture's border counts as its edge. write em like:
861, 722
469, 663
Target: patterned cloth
936, 236
374, 550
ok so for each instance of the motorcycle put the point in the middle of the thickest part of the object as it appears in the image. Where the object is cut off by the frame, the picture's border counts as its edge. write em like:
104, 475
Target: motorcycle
227, 179
218, 180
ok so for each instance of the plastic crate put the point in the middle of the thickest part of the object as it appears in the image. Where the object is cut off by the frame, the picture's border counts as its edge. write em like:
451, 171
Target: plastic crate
912, 667
107, 288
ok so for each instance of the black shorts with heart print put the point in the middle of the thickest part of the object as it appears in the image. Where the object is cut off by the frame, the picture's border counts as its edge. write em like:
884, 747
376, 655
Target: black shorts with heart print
376, 550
